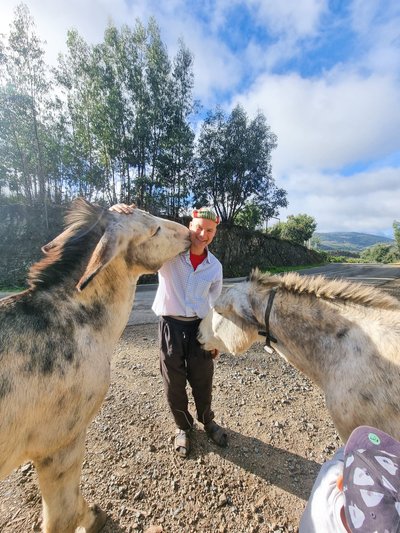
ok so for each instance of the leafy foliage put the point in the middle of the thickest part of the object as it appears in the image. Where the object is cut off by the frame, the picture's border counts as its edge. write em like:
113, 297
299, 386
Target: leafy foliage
396, 231
128, 106
249, 217
24, 111
114, 122
234, 165
297, 228
380, 253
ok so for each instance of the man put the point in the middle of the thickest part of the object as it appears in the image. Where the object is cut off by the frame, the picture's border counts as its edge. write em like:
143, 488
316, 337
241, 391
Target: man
188, 287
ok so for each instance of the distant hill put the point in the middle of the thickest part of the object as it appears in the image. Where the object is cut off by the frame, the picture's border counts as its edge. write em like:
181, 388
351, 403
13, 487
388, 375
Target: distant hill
349, 240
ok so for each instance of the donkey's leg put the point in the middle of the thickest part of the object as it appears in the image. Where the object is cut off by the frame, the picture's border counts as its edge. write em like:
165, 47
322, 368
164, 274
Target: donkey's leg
64, 508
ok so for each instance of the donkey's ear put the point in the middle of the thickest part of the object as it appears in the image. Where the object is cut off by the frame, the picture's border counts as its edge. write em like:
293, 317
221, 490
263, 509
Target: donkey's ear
104, 252
57, 241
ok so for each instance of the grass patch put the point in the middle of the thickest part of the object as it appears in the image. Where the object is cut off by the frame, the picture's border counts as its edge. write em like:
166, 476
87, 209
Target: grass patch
12, 289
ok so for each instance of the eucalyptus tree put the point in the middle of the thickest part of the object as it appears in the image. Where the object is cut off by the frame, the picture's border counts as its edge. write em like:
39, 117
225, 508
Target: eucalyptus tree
25, 120
76, 75
234, 164
137, 102
158, 97
113, 114
157, 80
176, 162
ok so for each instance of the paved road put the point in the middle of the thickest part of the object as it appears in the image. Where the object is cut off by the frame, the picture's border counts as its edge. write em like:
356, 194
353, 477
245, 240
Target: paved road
141, 311
375, 274
371, 274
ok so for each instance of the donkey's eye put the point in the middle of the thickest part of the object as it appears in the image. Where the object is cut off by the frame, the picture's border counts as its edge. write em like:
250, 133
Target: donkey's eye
157, 231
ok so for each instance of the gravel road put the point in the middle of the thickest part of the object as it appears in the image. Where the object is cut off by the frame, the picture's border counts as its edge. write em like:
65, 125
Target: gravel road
279, 430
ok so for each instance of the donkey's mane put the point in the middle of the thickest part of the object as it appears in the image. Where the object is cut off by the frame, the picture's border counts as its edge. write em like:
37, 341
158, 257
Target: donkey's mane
82, 213
84, 225
328, 289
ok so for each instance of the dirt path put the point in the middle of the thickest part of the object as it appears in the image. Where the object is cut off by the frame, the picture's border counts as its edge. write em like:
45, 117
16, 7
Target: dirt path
279, 432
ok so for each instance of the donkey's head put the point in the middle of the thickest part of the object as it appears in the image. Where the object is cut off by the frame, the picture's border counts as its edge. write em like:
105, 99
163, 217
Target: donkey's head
230, 326
237, 316
94, 237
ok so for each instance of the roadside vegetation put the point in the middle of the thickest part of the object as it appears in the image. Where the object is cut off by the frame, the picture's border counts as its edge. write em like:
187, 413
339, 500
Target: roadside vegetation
377, 253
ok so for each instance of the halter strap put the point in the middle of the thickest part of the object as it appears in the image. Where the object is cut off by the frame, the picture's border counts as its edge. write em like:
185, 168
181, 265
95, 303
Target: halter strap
267, 334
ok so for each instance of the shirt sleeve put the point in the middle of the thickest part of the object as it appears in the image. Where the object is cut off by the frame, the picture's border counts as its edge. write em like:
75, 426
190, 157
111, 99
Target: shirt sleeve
216, 288
322, 512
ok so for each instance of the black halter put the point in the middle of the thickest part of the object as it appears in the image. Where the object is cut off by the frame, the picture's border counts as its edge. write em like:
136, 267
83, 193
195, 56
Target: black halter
267, 334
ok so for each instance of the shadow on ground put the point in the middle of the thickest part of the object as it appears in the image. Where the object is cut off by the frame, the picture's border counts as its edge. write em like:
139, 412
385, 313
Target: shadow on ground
281, 468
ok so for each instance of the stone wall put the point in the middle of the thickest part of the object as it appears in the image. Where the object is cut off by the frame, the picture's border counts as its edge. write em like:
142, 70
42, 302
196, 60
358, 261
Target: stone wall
23, 231
240, 250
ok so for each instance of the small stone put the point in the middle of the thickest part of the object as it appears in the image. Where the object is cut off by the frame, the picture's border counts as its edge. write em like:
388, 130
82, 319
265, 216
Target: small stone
222, 500
26, 468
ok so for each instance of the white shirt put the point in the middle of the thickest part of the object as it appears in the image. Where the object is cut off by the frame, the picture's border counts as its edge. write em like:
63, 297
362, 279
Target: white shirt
183, 291
322, 512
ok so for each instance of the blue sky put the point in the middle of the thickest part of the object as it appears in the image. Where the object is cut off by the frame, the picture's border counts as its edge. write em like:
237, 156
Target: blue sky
326, 74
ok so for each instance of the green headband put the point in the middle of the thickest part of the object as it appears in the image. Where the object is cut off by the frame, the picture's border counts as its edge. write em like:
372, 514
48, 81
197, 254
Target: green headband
206, 213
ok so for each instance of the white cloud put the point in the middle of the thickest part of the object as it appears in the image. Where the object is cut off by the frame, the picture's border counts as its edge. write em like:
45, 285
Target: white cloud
330, 122
327, 123
54, 19
366, 202
216, 68
288, 24
377, 31
298, 18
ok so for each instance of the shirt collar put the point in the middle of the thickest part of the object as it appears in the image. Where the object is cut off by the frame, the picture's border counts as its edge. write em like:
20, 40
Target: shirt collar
187, 255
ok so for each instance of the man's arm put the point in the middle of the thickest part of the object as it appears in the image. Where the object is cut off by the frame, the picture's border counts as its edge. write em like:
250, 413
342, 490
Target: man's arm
216, 289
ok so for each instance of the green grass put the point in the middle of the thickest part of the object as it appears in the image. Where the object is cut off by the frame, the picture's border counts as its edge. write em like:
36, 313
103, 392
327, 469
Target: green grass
12, 289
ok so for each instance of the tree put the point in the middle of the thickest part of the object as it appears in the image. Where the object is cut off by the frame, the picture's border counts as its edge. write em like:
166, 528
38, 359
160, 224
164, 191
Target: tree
297, 228
25, 117
175, 164
315, 242
276, 230
396, 231
75, 76
234, 164
380, 253
128, 107
249, 217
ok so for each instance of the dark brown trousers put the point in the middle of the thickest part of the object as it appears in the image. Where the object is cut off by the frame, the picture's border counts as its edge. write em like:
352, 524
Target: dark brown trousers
182, 359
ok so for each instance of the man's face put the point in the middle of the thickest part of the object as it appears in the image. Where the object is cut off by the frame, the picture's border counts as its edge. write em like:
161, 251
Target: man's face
202, 231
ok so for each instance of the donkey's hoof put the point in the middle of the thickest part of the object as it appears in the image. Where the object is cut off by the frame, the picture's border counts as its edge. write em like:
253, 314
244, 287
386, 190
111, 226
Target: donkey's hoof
100, 519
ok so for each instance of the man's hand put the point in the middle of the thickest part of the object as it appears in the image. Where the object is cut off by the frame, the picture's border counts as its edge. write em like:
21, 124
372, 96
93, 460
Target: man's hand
123, 209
